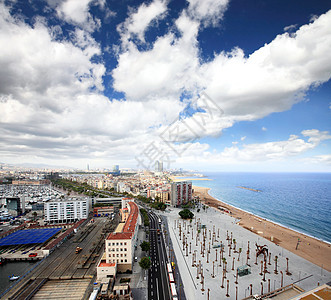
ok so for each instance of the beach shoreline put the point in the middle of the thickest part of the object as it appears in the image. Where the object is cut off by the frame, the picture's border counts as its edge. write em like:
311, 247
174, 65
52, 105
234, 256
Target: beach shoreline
309, 248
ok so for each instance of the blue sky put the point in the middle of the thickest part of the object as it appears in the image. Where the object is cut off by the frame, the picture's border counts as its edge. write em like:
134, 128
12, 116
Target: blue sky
211, 85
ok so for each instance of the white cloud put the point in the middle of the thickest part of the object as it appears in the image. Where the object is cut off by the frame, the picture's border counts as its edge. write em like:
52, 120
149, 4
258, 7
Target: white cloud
274, 77
313, 18
290, 27
264, 128
138, 21
318, 159
51, 87
243, 138
208, 12
51, 99
31, 62
165, 70
76, 12
315, 136
270, 151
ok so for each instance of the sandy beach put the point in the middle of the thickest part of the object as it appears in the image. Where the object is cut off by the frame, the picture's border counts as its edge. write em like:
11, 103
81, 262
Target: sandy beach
311, 249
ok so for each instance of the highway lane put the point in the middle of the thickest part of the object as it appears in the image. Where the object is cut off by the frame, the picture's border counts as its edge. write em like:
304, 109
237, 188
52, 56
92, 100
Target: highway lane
158, 284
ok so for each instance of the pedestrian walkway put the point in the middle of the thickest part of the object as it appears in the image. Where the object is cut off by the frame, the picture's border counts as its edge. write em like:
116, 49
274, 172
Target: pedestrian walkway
215, 246
139, 277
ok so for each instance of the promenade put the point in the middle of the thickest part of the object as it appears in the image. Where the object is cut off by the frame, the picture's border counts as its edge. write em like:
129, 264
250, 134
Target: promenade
208, 270
316, 251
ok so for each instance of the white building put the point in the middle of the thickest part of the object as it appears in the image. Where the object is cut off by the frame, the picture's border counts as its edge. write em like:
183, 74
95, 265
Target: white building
181, 193
66, 211
121, 187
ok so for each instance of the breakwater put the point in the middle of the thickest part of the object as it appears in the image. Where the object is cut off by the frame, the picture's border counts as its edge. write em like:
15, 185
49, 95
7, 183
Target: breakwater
247, 188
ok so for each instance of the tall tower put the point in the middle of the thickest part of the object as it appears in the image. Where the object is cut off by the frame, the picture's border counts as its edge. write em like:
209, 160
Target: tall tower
158, 166
181, 193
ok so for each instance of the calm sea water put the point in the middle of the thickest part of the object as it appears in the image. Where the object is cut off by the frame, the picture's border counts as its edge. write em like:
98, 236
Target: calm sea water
13, 268
301, 201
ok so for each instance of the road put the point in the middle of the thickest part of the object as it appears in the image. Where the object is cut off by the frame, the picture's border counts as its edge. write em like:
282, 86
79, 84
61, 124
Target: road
173, 259
158, 283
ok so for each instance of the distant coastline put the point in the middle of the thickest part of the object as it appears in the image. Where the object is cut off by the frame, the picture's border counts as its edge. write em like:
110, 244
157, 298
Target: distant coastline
181, 178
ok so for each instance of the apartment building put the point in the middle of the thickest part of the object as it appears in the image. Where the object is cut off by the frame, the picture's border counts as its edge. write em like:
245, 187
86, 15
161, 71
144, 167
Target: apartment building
181, 193
66, 211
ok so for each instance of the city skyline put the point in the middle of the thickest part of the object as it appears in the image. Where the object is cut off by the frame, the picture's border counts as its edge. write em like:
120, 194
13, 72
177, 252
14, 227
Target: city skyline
203, 85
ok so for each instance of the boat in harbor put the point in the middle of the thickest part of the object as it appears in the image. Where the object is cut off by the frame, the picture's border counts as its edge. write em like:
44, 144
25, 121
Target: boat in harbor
13, 277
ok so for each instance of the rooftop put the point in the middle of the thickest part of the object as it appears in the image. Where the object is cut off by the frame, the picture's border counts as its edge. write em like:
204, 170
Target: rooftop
104, 264
129, 226
29, 236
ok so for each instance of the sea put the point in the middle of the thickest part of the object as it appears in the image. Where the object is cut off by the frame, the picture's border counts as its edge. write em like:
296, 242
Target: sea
19, 268
300, 201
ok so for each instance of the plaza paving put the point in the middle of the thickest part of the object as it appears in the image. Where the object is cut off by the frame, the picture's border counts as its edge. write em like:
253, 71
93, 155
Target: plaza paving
222, 226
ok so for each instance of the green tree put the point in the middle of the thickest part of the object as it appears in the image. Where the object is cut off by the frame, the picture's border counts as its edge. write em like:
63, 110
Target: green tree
145, 263
34, 215
145, 217
186, 214
145, 246
159, 205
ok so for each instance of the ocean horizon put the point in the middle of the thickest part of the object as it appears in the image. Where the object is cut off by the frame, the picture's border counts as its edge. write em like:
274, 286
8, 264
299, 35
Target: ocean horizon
299, 201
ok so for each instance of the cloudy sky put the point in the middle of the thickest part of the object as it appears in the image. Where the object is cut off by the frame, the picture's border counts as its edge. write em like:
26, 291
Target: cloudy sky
223, 85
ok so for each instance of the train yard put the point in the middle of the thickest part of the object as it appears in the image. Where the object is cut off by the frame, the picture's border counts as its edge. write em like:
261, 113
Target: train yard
64, 263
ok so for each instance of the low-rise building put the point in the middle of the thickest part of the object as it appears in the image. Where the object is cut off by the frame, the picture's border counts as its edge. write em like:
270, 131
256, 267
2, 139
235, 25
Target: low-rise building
119, 245
103, 211
106, 270
122, 291
115, 201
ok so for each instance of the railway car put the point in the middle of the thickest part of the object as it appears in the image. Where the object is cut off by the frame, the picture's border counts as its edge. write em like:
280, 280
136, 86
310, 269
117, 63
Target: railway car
169, 268
171, 277
173, 291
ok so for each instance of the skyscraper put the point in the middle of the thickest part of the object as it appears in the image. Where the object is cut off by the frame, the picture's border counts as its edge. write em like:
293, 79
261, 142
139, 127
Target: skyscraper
159, 166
